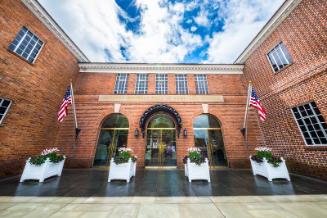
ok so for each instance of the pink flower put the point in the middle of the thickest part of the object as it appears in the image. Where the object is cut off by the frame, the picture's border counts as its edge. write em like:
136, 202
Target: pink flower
49, 150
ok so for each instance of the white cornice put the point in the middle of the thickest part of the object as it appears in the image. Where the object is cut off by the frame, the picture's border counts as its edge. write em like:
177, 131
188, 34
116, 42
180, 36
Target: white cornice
48, 21
280, 15
161, 68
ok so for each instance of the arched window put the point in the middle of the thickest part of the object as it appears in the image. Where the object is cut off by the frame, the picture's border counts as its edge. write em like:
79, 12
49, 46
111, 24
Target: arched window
208, 137
113, 135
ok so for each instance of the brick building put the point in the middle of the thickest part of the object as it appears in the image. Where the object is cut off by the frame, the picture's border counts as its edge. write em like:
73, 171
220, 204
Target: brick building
160, 110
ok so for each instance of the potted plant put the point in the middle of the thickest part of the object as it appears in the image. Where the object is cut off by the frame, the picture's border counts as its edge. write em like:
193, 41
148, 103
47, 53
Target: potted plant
48, 163
264, 163
196, 165
123, 165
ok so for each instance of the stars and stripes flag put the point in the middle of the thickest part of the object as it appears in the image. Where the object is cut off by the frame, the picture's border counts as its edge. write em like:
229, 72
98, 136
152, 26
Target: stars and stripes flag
67, 100
255, 103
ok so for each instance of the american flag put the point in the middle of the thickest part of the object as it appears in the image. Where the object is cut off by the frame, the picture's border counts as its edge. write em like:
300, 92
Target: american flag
255, 102
63, 110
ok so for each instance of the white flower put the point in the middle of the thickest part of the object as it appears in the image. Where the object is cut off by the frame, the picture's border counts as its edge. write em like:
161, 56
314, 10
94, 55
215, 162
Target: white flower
49, 150
193, 149
125, 149
262, 149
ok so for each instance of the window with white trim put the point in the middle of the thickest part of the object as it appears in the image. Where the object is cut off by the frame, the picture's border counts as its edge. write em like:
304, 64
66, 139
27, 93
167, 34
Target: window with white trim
26, 44
201, 83
311, 123
141, 84
279, 57
161, 84
181, 84
4, 107
121, 83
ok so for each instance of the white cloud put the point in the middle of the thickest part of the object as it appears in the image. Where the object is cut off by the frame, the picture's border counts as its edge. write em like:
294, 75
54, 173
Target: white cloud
243, 20
95, 27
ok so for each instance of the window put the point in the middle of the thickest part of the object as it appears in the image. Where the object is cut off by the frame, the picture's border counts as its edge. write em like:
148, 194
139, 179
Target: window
311, 123
26, 44
4, 107
181, 84
161, 84
121, 83
279, 57
201, 84
141, 84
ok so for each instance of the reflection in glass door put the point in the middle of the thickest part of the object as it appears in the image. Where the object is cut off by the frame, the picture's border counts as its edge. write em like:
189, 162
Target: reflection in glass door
113, 135
208, 137
161, 142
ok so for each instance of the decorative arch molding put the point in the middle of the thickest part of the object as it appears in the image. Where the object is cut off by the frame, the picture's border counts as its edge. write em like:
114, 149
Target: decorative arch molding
161, 108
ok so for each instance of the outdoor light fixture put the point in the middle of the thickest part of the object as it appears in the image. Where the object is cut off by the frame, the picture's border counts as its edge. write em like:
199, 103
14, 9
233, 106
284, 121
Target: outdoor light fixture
185, 132
136, 132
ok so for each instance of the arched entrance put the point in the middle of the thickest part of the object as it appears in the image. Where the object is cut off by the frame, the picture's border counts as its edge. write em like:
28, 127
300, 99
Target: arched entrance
113, 135
208, 137
161, 141
161, 124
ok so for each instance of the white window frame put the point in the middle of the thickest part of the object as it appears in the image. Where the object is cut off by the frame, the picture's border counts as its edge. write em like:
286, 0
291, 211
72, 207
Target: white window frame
162, 78
181, 78
141, 78
7, 109
305, 125
38, 41
121, 83
201, 84
275, 52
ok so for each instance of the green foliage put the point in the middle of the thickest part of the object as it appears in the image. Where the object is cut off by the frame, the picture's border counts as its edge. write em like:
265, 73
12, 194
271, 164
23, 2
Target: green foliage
38, 160
264, 154
196, 157
54, 157
123, 157
273, 160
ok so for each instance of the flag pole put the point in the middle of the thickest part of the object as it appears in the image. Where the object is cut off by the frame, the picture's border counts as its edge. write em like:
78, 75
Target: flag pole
244, 129
77, 130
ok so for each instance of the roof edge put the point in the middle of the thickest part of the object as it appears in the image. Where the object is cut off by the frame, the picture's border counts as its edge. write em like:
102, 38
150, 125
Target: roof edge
160, 68
37, 9
279, 16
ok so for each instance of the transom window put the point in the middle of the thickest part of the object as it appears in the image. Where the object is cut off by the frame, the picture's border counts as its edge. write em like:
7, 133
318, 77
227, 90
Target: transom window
161, 83
311, 123
4, 107
121, 83
279, 57
201, 84
141, 84
181, 84
26, 44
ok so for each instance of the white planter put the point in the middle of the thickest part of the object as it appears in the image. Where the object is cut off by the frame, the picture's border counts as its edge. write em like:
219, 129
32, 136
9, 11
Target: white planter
43, 171
197, 172
269, 171
123, 171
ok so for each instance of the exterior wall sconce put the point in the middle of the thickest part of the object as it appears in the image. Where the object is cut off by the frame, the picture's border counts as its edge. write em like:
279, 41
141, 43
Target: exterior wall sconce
136, 132
185, 132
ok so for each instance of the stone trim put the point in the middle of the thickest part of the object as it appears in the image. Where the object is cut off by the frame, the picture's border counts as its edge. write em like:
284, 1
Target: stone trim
37, 9
161, 68
280, 15
161, 98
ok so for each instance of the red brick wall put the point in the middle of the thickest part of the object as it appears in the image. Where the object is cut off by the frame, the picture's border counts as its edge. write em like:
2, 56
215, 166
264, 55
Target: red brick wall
304, 34
35, 89
91, 113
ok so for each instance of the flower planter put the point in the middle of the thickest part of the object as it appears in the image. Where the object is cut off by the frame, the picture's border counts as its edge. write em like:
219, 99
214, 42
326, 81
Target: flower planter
269, 171
124, 171
197, 172
43, 171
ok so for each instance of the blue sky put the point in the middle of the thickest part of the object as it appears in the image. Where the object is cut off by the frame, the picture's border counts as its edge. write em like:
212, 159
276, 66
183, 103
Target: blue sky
162, 31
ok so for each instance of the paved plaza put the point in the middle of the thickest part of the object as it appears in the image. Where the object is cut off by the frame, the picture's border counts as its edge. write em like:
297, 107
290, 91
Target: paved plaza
163, 193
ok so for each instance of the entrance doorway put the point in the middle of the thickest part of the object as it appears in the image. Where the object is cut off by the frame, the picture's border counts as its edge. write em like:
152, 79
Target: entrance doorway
208, 137
113, 135
161, 141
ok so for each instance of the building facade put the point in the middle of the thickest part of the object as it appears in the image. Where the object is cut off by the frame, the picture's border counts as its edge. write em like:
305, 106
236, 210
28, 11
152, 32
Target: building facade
160, 110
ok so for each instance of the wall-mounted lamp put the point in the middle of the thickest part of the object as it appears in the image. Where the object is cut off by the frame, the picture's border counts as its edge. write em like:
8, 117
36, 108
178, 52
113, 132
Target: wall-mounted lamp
185, 132
136, 132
